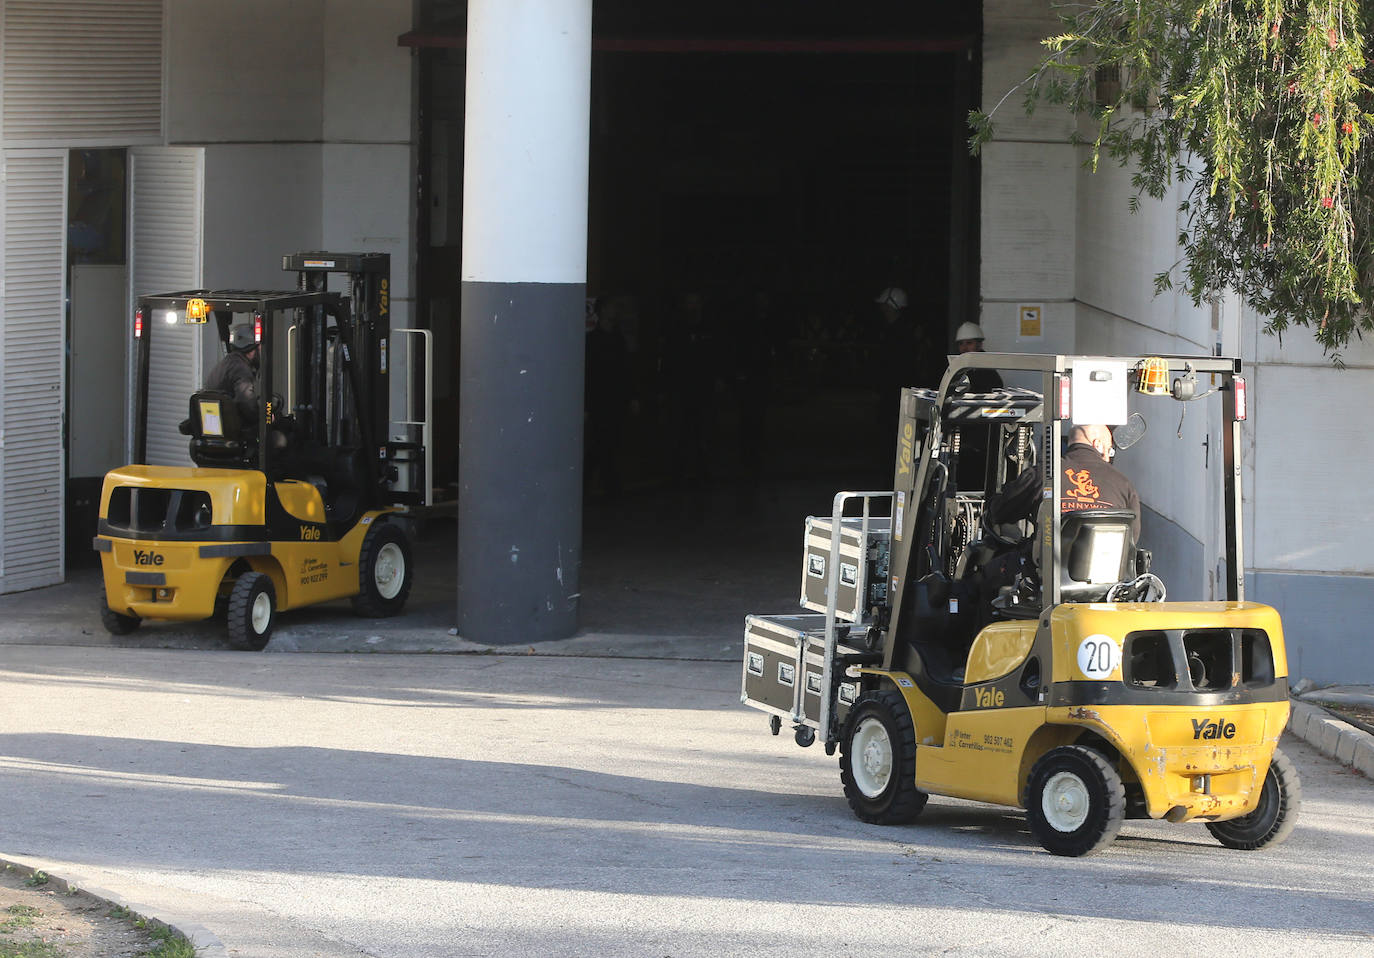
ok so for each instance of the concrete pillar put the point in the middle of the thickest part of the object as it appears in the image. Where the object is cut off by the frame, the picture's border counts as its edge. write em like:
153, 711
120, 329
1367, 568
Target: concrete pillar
524, 287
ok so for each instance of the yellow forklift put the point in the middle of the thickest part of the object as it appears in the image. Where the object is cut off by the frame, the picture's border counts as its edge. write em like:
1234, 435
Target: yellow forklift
960, 637
301, 503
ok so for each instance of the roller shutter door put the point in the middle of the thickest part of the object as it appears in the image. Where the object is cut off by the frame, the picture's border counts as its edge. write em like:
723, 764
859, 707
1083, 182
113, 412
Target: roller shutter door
82, 72
32, 338
168, 200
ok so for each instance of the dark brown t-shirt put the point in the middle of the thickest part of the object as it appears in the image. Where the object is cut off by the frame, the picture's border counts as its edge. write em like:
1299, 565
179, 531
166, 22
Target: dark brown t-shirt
1090, 482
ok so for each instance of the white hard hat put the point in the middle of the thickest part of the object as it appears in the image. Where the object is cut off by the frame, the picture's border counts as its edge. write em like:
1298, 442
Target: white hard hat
969, 331
893, 296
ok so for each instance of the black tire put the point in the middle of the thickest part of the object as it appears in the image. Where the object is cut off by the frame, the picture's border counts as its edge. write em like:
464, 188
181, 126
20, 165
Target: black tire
1075, 802
117, 623
252, 611
1273, 819
881, 788
384, 572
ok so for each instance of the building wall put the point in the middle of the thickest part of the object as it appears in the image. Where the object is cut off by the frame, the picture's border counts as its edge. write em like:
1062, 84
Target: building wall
306, 122
1309, 524
1029, 182
368, 161
1058, 234
250, 71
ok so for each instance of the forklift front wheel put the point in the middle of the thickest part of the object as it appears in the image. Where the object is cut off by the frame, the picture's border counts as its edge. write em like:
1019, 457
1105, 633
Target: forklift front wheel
116, 623
383, 572
878, 760
1273, 819
1076, 802
252, 606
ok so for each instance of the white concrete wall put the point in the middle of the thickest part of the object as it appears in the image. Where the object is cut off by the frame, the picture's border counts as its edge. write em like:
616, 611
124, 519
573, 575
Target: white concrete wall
246, 71
261, 200
368, 166
306, 109
1313, 457
1029, 181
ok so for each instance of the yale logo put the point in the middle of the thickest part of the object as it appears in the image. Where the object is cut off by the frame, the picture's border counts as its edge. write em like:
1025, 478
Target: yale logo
906, 450
146, 558
989, 698
1207, 729
310, 533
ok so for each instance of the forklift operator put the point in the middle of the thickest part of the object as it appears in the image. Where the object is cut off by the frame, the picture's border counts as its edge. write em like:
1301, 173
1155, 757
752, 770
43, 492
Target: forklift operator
1090, 481
237, 372
237, 375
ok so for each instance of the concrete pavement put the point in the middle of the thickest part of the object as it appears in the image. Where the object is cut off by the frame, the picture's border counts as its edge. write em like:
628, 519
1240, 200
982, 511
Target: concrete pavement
409, 806
605, 793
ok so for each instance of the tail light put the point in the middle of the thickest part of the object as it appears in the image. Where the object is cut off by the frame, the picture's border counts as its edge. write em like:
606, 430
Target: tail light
1065, 397
1238, 389
257, 327
138, 323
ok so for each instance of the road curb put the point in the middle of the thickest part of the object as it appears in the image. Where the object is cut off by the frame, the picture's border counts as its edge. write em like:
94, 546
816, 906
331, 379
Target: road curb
207, 945
1340, 740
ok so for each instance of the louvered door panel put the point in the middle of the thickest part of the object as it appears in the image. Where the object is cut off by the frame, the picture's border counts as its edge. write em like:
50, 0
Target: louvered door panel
31, 465
82, 72
167, 205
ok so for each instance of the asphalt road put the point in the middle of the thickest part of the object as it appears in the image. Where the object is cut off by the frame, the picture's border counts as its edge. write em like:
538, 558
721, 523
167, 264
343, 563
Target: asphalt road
447, 805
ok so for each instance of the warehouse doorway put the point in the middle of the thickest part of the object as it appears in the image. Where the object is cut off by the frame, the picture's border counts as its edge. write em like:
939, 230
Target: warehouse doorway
757, 179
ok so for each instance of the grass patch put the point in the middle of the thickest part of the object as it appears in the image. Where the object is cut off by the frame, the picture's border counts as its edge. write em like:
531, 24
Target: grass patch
36, 880
169, 944
19, 916
32, 949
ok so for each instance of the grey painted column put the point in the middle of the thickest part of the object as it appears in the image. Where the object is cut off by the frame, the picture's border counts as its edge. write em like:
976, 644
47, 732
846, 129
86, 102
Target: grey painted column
524, 286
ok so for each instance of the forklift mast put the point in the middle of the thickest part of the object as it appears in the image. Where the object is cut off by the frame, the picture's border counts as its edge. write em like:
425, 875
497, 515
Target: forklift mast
368, 279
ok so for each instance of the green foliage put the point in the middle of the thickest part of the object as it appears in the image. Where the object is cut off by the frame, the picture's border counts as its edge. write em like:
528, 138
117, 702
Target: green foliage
1261, 107
29, 949
20, 916
170, 944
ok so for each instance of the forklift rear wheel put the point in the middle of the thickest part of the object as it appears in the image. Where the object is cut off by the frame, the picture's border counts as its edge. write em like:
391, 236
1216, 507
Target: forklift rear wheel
1273, 819
116, 623
1076, 801
252, 606
878, 760
383, 572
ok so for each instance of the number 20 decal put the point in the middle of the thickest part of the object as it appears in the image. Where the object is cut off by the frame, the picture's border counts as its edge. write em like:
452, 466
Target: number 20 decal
1098, 656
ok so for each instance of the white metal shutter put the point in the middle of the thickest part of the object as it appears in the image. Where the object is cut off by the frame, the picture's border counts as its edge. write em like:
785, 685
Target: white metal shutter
31, 457
167, 210
82, 72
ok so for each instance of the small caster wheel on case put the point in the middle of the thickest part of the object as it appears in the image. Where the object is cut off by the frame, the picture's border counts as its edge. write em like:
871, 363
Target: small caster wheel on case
775, 724
830, 747
805, 736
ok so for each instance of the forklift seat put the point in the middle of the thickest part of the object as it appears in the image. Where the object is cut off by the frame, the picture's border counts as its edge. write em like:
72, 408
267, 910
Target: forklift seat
1098, 551
218, 434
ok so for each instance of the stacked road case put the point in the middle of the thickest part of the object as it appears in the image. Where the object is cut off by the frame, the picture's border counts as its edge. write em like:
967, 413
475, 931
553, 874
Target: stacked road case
796, 666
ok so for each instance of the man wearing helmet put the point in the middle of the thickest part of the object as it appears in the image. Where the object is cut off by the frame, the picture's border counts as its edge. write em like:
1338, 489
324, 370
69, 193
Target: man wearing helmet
237, 372
237, 375
968, 338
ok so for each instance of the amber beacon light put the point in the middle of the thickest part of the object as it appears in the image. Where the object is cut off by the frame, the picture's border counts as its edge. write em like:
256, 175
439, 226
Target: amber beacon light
1153, 377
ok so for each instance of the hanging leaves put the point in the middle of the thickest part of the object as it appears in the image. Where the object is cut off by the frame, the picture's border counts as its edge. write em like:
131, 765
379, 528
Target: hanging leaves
1259, 107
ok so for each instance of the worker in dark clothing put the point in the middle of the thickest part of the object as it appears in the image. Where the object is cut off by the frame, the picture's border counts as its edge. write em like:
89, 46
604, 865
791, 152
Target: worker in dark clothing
976, 437
237, 372
969, 339
1090, 481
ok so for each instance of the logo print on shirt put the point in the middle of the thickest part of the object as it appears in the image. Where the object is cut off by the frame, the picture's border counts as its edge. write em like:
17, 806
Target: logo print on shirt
1083, 486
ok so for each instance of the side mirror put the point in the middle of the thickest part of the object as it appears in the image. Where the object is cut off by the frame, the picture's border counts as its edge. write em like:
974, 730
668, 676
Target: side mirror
1128, 433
